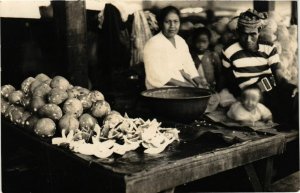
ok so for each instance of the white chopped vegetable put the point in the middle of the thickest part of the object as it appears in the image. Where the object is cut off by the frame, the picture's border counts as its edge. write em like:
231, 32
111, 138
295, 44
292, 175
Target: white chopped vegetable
133, 132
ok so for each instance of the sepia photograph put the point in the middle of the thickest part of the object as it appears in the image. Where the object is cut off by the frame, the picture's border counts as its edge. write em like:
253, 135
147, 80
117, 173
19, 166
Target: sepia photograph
149, 96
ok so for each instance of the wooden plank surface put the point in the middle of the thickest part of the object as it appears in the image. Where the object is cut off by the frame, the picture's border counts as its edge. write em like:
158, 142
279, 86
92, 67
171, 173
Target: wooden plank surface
201, 166
290, 135
181, 163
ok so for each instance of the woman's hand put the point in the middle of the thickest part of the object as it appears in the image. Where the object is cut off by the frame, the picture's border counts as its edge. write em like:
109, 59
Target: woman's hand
174, 82
201, 82
188, 78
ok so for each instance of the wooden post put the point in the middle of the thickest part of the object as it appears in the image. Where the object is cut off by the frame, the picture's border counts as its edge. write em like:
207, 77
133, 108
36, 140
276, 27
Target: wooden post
264, 6
70, 20
294, 17
268, 173
253, 178
211, 5
171, 190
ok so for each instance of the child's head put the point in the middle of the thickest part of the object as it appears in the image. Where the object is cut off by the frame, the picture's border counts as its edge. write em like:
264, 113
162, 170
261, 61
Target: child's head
250, 98
201, 39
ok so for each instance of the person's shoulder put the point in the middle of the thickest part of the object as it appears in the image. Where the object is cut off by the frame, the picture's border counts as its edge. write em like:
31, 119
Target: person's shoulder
230, 44
236, 106
266, 43
154, 41
267, 47
262, 107
181, 43
236, 110
155, 38
180, 39
193, 52
231, 48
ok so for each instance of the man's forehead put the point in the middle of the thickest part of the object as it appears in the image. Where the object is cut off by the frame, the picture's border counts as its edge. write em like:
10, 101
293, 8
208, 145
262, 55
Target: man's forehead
248, 30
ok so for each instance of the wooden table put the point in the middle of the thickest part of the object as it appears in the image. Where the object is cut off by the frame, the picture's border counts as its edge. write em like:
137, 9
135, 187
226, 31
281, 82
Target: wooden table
180, 163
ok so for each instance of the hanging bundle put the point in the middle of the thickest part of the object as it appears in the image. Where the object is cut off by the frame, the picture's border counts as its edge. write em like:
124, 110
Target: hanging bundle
141, 33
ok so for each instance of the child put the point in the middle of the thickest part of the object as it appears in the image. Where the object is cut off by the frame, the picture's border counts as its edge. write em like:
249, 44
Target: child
207, 62
249, 110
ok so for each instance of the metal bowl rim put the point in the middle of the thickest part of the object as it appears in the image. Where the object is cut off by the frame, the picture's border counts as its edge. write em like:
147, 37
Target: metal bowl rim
178, 88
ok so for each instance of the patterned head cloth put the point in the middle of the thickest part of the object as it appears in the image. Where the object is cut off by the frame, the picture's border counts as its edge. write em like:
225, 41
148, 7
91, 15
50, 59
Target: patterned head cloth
251, 19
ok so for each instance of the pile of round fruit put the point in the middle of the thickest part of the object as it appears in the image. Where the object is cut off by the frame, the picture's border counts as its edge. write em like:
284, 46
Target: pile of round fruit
84, 119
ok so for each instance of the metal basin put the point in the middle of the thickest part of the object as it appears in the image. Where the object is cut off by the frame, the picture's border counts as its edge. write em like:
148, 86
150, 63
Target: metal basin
182, 104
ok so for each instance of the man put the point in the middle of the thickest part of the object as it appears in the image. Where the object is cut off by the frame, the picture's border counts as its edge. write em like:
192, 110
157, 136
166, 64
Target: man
252, 62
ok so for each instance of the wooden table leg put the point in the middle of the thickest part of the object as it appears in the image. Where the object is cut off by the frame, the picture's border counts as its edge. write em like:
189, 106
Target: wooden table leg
171, 190
253, 177
269, 173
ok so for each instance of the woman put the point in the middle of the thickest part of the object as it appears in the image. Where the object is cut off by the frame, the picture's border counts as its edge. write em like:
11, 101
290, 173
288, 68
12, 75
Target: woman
166, 55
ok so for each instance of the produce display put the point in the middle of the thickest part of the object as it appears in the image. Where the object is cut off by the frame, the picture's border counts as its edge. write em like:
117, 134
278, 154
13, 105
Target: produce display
80, 119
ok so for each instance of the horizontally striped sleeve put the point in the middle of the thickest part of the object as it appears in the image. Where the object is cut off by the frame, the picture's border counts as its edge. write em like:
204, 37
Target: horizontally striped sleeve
225, 61
273, 58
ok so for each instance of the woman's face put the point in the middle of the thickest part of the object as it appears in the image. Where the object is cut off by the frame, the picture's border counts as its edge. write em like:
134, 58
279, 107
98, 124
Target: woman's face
171, 25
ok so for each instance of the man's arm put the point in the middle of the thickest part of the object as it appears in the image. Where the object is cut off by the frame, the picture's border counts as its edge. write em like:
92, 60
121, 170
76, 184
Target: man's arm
274, 63
282, 81
224, 72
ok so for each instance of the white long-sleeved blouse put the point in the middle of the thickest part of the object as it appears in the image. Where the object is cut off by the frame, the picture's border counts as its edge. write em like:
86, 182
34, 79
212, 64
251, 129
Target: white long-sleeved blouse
163, 61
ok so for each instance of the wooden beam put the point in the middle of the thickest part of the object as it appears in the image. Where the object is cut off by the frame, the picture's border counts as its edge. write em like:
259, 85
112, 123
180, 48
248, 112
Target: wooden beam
253, 178
70, 20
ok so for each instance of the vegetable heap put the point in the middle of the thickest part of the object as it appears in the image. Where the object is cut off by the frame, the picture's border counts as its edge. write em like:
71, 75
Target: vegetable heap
119, 135
86, 124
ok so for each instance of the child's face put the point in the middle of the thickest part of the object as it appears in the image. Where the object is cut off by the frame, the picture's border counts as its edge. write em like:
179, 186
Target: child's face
202, 42
251, 99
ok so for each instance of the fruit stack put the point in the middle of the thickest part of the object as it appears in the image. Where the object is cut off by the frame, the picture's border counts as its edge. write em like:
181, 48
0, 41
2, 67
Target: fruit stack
70, 115
43, 103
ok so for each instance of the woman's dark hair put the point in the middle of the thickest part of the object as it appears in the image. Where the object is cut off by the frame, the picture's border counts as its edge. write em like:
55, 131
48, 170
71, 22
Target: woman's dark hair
201, 31
164, 12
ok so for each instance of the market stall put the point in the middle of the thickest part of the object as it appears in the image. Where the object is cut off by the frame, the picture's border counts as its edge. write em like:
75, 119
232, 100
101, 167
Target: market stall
179, 164
86, 126
143, 156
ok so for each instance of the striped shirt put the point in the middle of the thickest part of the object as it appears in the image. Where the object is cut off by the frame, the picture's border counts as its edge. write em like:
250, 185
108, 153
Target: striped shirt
248, 67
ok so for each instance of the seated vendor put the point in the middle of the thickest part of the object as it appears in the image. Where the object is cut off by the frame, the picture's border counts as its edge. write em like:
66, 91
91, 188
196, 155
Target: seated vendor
249, 61
166, 55
248, 109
